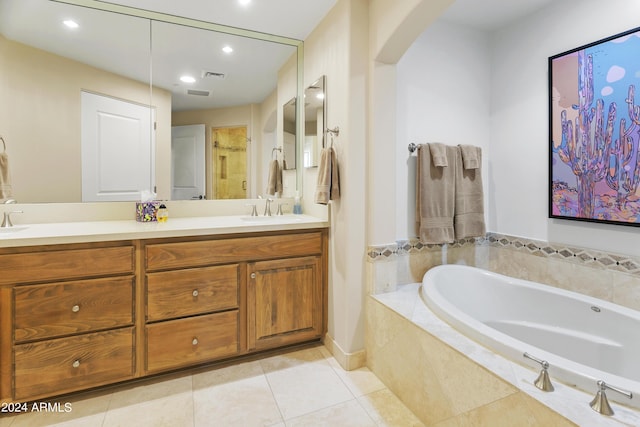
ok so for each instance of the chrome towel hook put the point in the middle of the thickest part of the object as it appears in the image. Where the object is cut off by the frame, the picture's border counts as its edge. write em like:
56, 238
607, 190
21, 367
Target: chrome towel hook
4, 144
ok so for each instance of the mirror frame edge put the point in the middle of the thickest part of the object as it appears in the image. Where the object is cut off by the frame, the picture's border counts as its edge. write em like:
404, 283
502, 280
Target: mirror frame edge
190, 22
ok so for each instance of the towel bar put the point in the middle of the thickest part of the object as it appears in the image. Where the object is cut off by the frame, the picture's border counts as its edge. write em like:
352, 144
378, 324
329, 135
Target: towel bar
412, 147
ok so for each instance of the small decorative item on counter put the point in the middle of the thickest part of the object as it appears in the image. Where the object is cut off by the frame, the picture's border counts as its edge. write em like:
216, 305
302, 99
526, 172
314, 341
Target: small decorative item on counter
147, 211
163, 213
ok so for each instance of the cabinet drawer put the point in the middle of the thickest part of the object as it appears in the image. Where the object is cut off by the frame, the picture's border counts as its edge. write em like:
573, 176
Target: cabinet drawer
63, 365
66, 264
225, 251
56, 309
173, 294
184, 342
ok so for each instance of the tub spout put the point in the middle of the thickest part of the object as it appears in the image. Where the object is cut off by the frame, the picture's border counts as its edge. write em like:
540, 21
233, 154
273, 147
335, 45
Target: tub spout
543, 382
600, 403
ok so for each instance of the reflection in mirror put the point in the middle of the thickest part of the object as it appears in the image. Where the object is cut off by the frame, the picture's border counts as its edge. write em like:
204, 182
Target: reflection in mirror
289, 134
314, 125
217, 84
46, 66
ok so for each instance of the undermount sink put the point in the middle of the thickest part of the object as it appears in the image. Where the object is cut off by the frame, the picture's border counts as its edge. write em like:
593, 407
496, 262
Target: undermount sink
13, 229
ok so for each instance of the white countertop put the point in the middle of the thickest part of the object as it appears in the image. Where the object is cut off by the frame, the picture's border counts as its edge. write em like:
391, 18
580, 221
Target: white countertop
99, 231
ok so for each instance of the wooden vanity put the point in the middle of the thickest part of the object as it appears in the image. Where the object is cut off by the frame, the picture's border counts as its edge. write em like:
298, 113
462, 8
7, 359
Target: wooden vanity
76, 316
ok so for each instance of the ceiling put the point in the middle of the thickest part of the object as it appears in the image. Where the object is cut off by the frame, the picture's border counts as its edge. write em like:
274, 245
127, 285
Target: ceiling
120, 43
491, 15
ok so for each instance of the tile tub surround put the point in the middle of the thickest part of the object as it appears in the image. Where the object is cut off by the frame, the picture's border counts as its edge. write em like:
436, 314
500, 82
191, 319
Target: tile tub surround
449, 380
608, 276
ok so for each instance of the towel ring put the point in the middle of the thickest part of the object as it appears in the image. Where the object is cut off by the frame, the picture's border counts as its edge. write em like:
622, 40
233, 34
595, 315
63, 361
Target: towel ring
273, 150
4, 144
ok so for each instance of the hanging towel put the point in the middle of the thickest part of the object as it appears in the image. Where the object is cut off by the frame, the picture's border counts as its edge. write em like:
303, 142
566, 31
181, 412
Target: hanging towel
438, 154
328, 184
435, 196
274, 181
469, 218
6, 190
470, 156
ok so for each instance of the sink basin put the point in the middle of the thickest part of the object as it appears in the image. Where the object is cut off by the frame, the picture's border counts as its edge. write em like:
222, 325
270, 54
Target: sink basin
14, 229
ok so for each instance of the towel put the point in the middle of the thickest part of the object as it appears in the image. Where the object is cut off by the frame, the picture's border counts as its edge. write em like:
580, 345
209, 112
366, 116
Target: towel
438, 154
435, 196
469, 208
274, 181
6, 190
328, 184
470, 156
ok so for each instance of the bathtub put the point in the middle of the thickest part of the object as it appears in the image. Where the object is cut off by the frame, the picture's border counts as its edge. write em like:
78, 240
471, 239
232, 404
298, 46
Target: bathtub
583, 339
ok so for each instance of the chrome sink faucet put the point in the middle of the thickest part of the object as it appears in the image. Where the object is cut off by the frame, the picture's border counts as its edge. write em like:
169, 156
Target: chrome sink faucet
267, 207
6, 221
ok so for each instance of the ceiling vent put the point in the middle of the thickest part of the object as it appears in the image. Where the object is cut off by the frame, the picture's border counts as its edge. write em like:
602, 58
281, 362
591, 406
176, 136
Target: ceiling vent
198, 92
211, 74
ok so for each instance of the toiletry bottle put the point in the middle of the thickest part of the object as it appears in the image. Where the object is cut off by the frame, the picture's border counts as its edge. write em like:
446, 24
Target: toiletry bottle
297, 206
163, 213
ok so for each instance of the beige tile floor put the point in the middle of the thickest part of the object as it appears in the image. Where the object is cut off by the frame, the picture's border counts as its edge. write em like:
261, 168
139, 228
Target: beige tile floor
304, 387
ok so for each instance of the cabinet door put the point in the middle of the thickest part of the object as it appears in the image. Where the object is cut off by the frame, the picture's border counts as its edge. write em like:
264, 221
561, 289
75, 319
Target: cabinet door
284, 302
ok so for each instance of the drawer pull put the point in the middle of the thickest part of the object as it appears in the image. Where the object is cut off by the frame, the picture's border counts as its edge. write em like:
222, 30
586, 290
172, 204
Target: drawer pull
253, 275
76, 364
75, 308
195, 341
195, 293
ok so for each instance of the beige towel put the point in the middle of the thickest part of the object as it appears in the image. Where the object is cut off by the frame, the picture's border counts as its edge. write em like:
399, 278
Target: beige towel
328, 184
438, 154
274, 181
435, 196
469, 218
470, 156
6, 190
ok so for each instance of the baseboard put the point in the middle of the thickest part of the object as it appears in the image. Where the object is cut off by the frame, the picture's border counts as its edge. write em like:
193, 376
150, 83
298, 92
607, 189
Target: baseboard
348, 361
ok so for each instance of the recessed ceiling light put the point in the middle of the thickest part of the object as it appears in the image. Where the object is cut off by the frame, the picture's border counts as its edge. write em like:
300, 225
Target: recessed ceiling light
187, 79
70, 23
244, 2
227, 49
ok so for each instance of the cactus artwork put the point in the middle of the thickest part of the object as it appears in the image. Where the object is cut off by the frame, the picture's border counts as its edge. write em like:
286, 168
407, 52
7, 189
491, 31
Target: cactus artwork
595, 131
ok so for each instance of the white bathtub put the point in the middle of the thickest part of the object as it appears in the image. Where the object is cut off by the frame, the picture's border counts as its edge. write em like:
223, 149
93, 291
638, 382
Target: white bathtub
584, 339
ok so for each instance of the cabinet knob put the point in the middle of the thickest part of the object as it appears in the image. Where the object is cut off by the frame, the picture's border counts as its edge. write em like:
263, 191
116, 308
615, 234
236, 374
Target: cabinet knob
195, 341
195, 293
253, 275
76, 364
75, 308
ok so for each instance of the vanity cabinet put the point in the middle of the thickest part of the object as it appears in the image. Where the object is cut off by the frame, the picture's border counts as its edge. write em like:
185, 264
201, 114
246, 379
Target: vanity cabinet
67, 318
193, 316
284, 300
78, 316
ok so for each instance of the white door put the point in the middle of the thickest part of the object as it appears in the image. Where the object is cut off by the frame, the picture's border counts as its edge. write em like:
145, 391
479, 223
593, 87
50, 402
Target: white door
117, 149
187, 162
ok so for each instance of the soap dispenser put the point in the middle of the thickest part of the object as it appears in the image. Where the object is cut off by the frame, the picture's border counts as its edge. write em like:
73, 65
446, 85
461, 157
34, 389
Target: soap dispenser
163, 213
297, 206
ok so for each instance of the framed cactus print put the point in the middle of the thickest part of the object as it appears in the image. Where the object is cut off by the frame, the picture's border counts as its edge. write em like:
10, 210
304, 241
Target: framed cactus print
594, 131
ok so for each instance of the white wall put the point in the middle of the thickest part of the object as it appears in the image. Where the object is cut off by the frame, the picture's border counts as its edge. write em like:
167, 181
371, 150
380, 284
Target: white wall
443, 96
519, 120
458, 85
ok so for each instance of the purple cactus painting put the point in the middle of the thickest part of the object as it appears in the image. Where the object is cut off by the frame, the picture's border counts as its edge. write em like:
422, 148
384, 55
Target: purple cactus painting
594, 130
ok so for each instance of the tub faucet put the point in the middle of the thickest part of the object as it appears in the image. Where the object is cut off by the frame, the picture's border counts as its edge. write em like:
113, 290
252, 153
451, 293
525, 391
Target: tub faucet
10, 201
542, 382
600, 403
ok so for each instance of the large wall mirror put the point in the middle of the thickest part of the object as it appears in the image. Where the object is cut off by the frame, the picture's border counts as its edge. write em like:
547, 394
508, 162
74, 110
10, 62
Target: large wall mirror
210, 111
